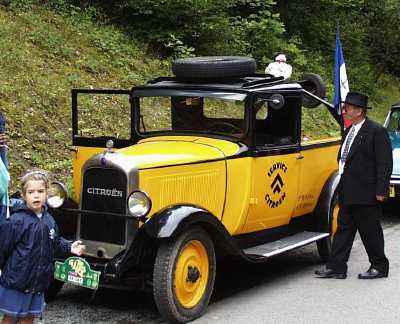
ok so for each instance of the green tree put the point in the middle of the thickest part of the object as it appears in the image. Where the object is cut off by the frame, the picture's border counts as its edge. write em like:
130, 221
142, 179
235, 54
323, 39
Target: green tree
315, 23
383, 37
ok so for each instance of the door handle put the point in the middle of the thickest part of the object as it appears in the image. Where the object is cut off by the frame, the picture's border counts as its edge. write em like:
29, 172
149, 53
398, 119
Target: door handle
299, 157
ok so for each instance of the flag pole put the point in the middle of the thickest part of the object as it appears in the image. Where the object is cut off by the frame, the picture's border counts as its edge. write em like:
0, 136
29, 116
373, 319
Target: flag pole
340, 79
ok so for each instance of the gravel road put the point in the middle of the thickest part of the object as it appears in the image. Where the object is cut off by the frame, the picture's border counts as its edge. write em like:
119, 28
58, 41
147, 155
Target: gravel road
257, 293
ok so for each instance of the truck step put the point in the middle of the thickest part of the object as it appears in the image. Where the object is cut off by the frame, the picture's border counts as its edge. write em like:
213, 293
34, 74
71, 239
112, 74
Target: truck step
285, 244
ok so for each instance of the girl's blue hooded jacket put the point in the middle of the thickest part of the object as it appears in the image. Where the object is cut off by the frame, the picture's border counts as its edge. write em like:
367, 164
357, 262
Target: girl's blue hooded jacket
27, 247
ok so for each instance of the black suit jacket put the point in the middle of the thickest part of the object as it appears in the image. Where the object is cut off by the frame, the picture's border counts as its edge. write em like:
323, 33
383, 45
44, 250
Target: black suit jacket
368, 166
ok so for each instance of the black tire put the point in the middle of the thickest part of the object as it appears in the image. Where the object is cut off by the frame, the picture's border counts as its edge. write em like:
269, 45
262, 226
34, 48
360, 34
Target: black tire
325, 246
213, 67
53, 290
165, 283
313, 83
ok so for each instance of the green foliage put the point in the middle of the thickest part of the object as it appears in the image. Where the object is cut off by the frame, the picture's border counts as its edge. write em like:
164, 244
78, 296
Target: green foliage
42, 56
318, 123
174, 27
315, 23
48, 47
201, 27
384, 36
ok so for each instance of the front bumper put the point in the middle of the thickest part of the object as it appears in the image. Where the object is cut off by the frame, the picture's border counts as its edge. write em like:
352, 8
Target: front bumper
127, 266
105, 234
111, 277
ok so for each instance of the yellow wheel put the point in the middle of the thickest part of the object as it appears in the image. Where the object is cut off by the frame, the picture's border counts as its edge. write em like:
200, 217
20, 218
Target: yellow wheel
184, 275
330, 223
191, 274
334, 222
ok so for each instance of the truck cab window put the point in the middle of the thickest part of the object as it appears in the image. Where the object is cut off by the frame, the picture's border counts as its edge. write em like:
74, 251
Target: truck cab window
275, 127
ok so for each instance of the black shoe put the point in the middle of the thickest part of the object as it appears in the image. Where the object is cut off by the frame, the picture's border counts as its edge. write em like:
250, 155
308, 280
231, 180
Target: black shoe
329, 273
372, 273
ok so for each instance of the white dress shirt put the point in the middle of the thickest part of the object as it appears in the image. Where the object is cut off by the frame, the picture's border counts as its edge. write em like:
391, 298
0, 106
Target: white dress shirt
356, 130
278, 69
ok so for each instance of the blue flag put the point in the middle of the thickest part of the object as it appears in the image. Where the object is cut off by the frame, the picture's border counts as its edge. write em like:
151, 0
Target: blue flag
341, 83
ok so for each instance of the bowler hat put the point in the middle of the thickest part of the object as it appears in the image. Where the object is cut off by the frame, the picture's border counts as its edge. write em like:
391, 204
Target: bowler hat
357, 99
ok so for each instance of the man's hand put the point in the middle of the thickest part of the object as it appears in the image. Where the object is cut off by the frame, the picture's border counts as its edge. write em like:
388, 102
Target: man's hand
380, 198
78, 248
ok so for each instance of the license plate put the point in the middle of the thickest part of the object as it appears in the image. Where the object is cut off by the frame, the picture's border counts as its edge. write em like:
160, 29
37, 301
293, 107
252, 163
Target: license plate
392, 193
76, 271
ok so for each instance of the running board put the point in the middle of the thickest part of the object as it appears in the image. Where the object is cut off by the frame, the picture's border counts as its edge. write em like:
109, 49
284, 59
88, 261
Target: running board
285, 244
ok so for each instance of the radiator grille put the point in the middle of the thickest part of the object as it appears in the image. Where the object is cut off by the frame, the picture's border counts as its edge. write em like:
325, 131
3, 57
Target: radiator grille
104, 190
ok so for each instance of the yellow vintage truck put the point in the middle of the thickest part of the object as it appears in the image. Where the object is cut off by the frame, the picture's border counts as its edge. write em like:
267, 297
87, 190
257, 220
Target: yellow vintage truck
194, 168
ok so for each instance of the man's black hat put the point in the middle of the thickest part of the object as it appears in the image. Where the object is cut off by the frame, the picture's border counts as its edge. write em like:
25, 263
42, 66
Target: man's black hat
357, 99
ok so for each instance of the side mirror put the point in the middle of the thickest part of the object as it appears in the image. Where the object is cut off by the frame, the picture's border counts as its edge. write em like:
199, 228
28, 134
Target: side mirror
276, 101
313, 84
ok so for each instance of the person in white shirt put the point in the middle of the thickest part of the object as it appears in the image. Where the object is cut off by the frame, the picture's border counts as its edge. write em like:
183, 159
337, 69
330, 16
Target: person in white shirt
279, 68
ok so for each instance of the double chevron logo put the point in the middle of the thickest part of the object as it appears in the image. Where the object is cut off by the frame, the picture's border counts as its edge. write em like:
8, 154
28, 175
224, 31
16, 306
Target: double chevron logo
276, 190
277, 184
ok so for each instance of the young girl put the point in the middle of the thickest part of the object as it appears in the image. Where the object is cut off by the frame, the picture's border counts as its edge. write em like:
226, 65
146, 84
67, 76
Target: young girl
28, 241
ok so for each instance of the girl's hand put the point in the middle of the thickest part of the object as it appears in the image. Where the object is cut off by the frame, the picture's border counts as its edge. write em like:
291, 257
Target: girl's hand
78, 248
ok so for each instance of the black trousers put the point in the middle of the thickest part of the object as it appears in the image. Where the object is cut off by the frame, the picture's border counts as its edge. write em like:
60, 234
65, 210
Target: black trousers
365, 219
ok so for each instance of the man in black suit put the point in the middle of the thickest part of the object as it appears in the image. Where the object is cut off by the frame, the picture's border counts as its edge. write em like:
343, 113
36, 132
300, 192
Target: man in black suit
365, 167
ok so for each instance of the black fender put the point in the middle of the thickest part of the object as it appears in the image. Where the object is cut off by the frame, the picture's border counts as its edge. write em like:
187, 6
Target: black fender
173, 220
325, 201
166, 224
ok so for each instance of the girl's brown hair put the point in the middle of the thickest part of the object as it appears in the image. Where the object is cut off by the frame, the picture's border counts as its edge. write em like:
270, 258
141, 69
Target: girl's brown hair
35, 175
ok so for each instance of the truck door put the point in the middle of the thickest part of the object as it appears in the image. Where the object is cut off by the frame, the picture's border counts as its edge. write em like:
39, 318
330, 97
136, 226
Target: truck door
318, 162
99, 115
276, 165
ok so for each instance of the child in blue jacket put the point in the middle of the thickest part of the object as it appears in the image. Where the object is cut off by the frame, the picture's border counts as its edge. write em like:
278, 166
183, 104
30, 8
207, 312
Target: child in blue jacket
28, 242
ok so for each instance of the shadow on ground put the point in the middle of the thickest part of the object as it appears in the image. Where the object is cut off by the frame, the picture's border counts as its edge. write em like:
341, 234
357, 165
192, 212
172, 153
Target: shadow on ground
233, 277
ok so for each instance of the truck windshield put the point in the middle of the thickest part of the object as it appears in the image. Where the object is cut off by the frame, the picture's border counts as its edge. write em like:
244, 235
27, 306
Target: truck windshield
191, 112
393, 124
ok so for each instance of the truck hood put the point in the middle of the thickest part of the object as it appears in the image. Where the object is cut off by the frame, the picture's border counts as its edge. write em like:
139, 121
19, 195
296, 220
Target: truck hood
175, 150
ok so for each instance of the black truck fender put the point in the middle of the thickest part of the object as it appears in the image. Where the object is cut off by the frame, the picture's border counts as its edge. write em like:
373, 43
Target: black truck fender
325, 202
324, 213
173, 220
169, 223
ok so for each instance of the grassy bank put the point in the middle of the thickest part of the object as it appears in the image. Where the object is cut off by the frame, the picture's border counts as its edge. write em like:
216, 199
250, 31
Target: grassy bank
44, 54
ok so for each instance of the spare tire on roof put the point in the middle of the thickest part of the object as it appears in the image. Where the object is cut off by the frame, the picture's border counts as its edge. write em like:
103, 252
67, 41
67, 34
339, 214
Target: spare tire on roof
213, 67
314, 84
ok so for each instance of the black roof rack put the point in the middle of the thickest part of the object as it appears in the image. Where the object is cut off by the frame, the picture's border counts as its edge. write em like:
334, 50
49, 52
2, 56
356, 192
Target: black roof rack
247, 82
264, 81
160, 79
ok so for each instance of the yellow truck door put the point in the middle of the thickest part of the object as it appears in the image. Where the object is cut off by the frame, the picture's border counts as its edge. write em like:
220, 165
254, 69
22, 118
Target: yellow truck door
317, 164
274, 189
276, 163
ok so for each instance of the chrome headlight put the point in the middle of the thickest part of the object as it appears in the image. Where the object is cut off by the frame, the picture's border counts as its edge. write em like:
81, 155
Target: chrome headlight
139, 204
56, 195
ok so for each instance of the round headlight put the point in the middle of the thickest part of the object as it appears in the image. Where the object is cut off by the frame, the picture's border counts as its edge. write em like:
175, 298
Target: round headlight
56, 195
139, 204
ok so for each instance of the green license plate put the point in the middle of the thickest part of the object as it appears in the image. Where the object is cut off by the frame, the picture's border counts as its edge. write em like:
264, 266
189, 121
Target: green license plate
76, 271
